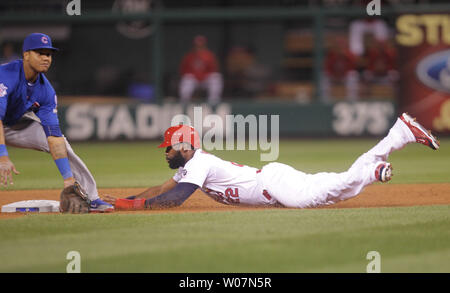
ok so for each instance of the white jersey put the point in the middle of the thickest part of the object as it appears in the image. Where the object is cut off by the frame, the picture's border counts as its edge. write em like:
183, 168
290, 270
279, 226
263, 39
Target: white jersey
224, 181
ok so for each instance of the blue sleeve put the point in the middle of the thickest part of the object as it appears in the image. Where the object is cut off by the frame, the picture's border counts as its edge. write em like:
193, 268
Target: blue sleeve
48, 112
6, 87
173, 197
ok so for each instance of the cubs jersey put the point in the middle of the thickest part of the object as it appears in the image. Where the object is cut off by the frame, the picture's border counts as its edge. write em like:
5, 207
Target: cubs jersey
224, 181
18, 96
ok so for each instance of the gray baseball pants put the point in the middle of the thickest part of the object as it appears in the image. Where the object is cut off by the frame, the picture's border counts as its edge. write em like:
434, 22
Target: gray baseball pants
31, 135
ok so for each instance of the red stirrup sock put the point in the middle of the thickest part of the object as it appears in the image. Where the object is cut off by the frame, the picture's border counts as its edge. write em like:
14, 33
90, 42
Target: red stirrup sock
130, 204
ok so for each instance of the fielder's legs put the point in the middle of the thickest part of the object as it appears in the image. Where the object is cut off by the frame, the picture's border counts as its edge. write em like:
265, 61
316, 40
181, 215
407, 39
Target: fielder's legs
33, 137
188, 84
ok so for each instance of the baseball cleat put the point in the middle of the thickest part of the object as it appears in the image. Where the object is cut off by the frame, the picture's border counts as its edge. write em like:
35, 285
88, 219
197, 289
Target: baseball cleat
383, 172
100, 206
422, 135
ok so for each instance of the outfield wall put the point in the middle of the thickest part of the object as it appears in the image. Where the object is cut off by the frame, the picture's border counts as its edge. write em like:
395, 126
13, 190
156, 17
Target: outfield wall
86, 121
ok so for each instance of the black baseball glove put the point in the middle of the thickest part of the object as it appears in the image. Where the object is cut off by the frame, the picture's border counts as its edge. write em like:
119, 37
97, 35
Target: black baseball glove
74, 200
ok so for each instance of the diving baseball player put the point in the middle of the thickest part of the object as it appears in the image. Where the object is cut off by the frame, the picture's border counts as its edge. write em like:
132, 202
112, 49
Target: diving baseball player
276, 183
28, 114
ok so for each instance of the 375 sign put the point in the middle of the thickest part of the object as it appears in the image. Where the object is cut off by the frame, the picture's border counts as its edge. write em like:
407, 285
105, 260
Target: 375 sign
373, 118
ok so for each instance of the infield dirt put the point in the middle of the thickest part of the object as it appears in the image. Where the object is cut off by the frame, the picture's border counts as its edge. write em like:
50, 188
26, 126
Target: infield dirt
387, 195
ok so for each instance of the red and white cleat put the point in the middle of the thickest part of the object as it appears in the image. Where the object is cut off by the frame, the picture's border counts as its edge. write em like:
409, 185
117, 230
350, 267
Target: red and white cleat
422, 135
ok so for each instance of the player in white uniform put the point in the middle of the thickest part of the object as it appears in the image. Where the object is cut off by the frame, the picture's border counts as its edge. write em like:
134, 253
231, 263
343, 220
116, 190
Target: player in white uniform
276, 183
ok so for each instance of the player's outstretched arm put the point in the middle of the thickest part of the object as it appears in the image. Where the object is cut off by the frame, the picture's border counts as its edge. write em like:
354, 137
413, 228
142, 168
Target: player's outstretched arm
6, 166
171, 198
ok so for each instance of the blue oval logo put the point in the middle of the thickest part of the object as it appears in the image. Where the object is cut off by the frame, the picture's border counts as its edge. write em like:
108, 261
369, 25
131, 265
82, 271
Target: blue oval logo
434, 71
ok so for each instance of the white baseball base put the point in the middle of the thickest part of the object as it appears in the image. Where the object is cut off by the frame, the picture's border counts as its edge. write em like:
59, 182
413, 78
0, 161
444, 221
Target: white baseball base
38, 206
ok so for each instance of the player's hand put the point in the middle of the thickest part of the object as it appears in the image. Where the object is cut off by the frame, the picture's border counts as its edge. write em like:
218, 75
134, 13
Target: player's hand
110, 199
6, 171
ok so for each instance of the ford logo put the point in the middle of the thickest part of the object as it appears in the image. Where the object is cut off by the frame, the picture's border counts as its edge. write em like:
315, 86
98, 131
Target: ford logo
434, 71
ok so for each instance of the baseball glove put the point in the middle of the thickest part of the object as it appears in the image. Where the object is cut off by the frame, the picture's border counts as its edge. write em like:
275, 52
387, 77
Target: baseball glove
74, 200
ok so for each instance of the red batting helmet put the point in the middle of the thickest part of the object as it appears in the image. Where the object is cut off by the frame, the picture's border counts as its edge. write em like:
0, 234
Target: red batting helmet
181, 133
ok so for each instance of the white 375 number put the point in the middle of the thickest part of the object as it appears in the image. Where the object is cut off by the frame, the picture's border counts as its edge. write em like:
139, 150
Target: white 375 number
356, 118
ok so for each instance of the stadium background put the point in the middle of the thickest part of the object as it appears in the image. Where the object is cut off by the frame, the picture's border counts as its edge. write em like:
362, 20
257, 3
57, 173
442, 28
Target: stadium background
272, 54
120, 58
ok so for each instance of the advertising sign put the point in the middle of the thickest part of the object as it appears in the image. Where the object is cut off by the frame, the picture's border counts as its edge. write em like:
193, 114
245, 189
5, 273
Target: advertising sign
424, 46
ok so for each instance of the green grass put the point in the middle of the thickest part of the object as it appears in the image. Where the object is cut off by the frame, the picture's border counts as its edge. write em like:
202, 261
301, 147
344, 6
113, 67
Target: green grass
409, 239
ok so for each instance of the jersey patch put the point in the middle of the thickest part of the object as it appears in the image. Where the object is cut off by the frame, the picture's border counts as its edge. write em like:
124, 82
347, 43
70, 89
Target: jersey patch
3, 89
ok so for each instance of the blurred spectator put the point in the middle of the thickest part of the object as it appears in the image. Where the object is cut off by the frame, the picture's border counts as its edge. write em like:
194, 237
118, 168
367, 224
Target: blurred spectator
8, 53
200, 69
381, 58
340, 69
360, 27
245, 76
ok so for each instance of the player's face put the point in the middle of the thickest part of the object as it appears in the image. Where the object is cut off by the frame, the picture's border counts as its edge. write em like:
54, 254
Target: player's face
39, 60
174, 158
